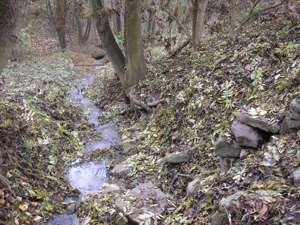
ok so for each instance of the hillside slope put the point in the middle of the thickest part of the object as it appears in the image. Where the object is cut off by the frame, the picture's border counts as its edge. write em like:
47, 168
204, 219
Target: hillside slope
256, 69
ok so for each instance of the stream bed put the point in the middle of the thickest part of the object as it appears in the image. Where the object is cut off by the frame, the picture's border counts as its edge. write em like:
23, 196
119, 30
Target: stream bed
88, 177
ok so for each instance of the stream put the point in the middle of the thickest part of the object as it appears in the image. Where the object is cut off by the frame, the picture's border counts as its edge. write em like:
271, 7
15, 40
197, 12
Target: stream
87, 177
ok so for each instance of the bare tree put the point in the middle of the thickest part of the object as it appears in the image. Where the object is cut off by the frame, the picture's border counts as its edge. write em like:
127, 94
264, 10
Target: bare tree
198, 18
108, 40
136, 66
58, 15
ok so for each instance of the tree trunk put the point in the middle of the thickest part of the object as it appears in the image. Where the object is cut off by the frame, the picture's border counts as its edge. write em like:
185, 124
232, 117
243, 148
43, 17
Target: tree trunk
198, 13
60, 22
108, 40
136, 66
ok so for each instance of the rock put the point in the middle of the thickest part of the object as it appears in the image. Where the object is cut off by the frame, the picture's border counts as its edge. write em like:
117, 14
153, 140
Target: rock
245, 135
226, 164
122, 169
296, 177
289, 124
295, 105
177, 157
193, 187
110, 188
262, 123
64, 220
292, 119
142, 203
219, 218
231, 200
98, 53
226, 148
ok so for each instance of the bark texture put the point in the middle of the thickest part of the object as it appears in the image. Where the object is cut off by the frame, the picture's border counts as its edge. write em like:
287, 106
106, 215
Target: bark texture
198, 14
136, 66
108, 40
60, 23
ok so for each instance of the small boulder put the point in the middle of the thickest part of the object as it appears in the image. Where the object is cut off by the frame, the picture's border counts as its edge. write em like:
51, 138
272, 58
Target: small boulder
231, 200
296, 177
193, 187
98, 53
142, 203
177, 157
245, 135
259, 122
295, 105
122, 169
289, 124
227, 148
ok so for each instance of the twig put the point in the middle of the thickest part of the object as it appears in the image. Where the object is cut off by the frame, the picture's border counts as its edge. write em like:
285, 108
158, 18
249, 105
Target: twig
179, 49
251, 14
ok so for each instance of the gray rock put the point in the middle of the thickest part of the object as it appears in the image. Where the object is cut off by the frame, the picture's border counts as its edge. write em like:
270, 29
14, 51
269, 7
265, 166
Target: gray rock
289, 124
219, 218
228, 201
296, 177
98, 53
262, 123
293, 115
226, 164
245, 135
193, 187
177, 157
295, 105
142, 203
64, 220
226, 148
122, 169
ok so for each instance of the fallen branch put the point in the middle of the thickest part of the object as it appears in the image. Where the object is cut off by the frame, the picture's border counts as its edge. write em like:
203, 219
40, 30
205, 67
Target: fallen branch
179, 49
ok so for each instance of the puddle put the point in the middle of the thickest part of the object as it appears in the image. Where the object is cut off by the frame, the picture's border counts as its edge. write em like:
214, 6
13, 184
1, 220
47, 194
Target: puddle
64, 220
88, 177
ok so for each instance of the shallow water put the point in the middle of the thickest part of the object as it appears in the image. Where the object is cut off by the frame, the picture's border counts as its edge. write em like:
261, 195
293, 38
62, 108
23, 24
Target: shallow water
88, 177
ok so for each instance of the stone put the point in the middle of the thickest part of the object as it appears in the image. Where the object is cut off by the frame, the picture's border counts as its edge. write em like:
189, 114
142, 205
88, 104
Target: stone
110, 188
289, 124
226, 164
296, 177
227, 148
193, 187
177, 157
245, 135
295, 105
64, 220
259, 122
231, 200
142, 203
122, 169
219, 218
98, 53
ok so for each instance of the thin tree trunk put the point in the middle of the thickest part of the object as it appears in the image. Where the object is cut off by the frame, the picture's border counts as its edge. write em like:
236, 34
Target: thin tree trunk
60, 22
199, 12
108, 40
136, 66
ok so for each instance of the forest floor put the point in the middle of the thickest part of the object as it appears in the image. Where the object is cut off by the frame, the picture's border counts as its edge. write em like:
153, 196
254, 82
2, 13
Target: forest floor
42, 132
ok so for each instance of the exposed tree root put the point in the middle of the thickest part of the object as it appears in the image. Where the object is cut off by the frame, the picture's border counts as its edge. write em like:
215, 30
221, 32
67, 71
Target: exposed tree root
146, 106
